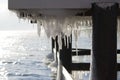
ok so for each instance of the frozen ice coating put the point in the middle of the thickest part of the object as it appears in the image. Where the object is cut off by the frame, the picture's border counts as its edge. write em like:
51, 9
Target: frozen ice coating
60, 26
38, 28
118, 24
60, 42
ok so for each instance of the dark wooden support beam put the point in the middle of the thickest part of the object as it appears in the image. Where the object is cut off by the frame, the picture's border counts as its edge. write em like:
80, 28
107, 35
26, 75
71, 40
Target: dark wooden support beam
53, 44
85, 66
82, 52
79, 49
104, 57
85, 52
57, 46
119, 12
66, 54
118, 67
86, 12
118, 51
80, 66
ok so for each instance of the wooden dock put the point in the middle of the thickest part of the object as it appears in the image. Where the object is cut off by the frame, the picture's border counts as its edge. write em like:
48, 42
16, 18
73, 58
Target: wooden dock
75, 70
104, 15
81, 71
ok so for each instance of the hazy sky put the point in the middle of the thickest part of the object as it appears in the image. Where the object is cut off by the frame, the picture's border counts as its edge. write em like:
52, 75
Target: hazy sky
9, 20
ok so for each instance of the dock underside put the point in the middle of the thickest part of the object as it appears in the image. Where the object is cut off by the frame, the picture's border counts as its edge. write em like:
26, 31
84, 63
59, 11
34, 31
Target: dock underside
103, 13
58, 7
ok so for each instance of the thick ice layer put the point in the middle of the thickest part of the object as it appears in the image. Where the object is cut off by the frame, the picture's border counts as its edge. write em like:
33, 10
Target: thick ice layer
60, 26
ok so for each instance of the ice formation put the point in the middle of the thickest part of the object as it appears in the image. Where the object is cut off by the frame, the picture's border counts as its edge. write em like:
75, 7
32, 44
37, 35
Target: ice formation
60, 26
118, 26
49, 58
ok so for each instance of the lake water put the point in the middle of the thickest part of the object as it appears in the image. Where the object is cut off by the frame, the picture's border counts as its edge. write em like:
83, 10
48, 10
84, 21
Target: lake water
22, 54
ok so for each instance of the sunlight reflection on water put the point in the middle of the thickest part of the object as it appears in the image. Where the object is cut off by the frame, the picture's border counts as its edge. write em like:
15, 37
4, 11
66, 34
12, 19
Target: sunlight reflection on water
22, 54
19, 51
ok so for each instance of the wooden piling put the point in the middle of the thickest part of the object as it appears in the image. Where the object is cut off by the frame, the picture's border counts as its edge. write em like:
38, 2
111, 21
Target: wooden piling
104, 61
53, 44
66, 54
56, 47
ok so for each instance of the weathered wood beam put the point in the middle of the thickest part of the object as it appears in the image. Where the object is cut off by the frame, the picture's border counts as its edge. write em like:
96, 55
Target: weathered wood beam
85, 52
86, 66
81, 52
79, 49
53, 44
80, 66
66, 54
118, 51
118, 66
104, 57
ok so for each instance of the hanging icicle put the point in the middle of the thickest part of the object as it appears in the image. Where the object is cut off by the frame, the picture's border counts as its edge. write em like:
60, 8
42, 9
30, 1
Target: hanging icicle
57, 25
39, 28
118, 26
60, 42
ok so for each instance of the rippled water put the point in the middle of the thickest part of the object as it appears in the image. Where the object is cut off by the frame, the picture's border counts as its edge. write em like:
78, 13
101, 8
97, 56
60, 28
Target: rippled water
22, 54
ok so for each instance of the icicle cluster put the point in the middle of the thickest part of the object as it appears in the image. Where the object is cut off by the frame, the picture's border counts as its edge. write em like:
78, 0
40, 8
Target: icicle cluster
118, 26
57, 25
64, 26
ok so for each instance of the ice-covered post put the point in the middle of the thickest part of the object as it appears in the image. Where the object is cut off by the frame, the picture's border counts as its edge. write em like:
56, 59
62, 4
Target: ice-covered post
66, 54
103, 66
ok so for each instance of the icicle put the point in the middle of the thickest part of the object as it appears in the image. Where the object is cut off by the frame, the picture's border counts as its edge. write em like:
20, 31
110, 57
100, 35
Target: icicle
54, 51
118, 26
65, 40
60, 42
19, 20
84, 23
56, 25
46, 26
38, 29
59, 71
76, 37
70, 38
68, 41
90, 22
118, 31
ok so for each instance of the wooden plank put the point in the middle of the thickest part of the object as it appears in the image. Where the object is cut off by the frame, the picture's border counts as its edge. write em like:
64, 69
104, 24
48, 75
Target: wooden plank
85, 52
118, 66
104, 43
80, 66
86, 66
66, 54
53, 44
80, 49
118, 51
81, 52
